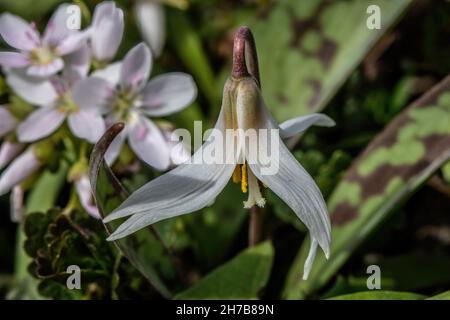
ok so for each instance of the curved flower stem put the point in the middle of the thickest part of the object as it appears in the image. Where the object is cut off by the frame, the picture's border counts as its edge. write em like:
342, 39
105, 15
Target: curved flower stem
245, 63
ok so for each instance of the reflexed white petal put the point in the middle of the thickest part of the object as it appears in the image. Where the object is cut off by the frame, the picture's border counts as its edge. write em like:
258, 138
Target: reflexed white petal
298, 125
7, 121
40, 124
13, 60
185, 189
84, 192
114, 148
136, 67
9, 151
92, 94
106, 34
151, 21
45, 70
168, 93
18, 33
299, 191
36, 91
86, 125
20, 169
148, 142
111, 73
310, 259
77, 64
58, 26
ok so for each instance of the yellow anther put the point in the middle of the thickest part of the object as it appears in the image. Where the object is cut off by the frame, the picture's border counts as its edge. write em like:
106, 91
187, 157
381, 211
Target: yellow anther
244, 178
237, 174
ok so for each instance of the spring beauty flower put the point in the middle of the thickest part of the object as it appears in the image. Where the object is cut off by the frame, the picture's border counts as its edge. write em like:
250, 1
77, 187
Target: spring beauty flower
194, 185
39, 56
134, 99
61, 97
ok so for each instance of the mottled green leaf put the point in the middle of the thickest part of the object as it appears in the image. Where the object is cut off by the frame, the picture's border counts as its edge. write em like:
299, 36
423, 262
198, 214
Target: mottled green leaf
380, 295
404, 155
241, 278
307, 49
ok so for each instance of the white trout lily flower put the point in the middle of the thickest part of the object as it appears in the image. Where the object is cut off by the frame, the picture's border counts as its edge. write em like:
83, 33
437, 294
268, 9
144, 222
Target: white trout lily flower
106, 31
39, 56
61, 97
194, 185
135, 99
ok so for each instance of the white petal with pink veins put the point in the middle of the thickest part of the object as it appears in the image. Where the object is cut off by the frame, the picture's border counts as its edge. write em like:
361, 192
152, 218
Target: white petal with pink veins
86, 125
148, 142
18, 33
7, 121
38, 92
20, 169
168, 93
13, 60
40, 124
8, 151
136, 67
84, 192
92, 94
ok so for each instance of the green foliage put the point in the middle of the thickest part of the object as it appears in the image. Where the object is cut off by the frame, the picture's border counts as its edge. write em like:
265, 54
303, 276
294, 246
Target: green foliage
380, 295
241, 278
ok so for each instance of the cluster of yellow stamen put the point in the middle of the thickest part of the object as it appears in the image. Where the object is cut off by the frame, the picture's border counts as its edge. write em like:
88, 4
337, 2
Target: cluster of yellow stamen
240, 175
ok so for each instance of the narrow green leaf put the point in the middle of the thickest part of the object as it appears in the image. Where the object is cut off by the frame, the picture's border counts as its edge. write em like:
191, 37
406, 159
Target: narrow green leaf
442, 296
402, 157
380, 295
241, 278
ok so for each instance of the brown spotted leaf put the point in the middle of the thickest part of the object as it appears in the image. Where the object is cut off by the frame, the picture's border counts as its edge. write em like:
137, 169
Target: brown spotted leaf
307, 49
401, 158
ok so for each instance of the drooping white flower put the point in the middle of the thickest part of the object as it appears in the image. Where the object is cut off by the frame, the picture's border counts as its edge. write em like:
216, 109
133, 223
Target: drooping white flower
135, 99
195, 184
39, 56
106, 31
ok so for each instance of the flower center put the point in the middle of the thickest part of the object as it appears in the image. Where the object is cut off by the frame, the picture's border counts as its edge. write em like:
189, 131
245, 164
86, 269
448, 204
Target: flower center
124, 101
249, 183
42, 55
66, 104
